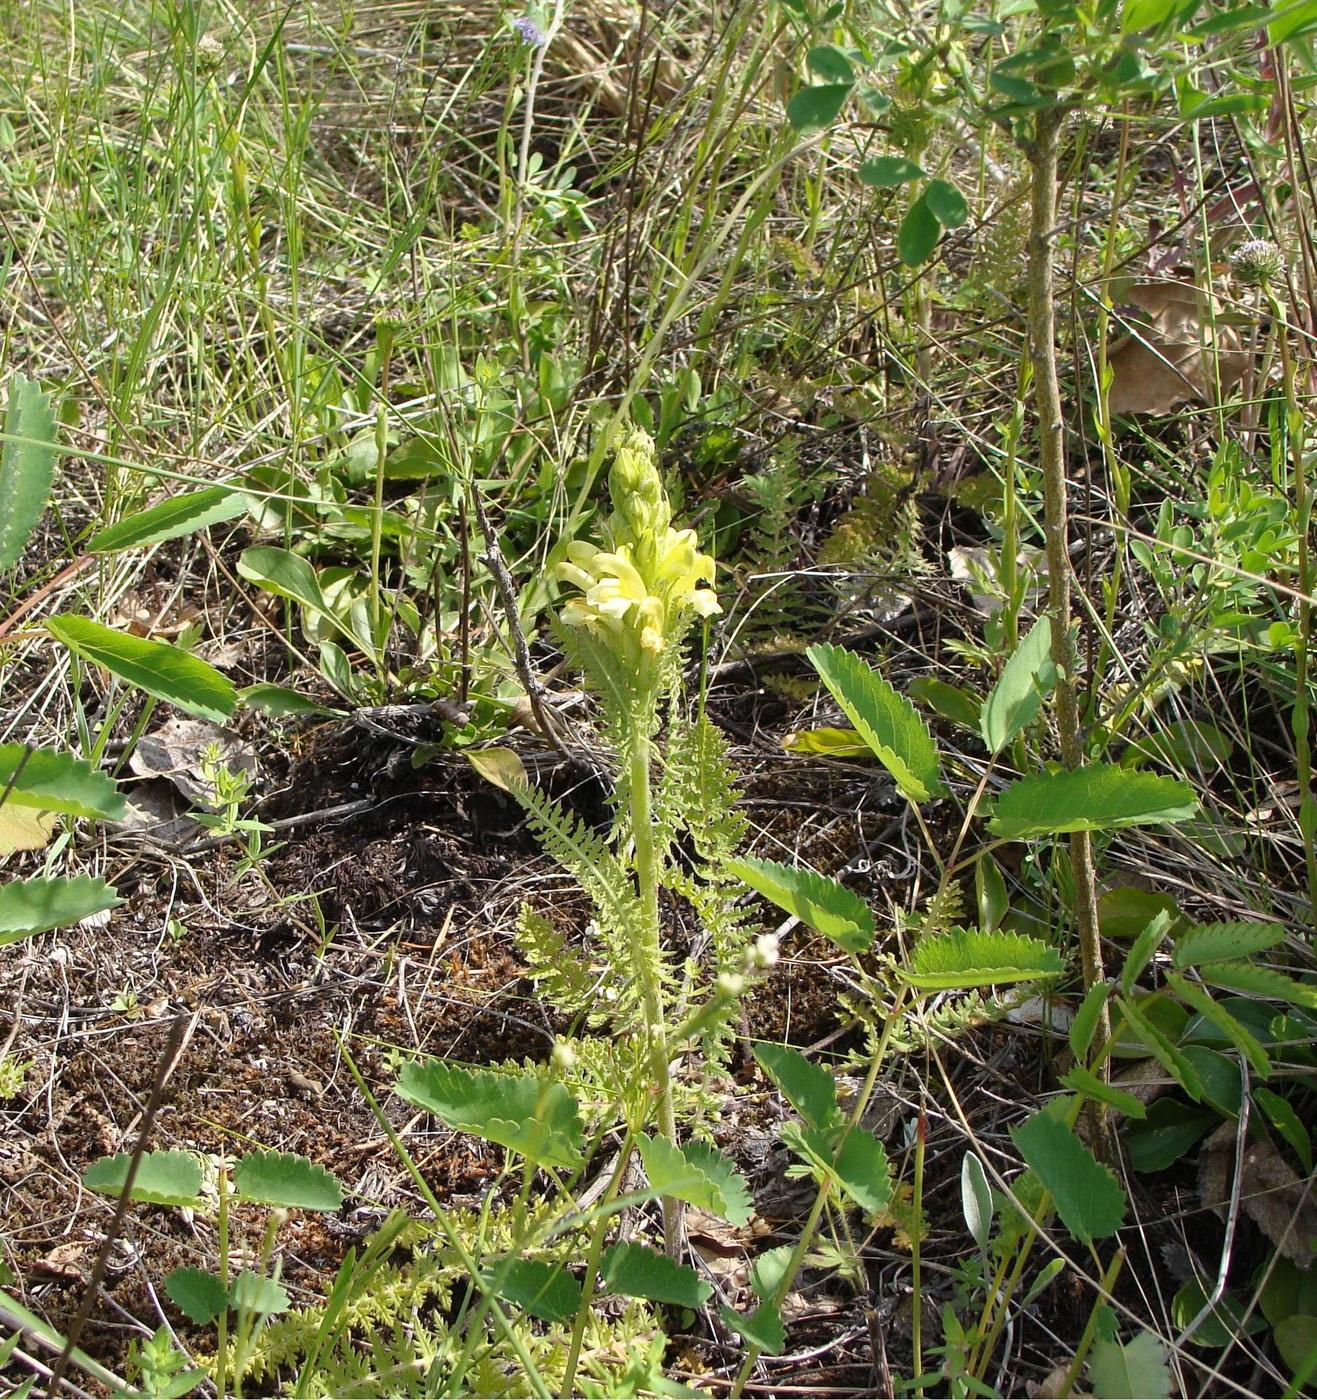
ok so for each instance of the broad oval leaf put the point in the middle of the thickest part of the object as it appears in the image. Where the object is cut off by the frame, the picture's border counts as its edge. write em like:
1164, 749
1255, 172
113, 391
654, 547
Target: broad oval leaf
640, 1272
918, 234
167, 520
285, 574
27, 466
1101, 797
888, 172
830, 64
198, 1295
522, 1112
57, 782
828, 741
965, 958
976, 1202
1169, 1130
949, 701
163, 1178
277, 700
286, 1179
544, 1290
39, 904
1087, 1196
809, 1088
947, 203
814, 108
159, 668
254, 1293
887, 721
697, 1174
1015, 700
826, 906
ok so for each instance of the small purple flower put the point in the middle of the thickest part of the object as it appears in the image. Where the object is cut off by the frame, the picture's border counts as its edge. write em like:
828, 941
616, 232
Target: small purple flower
529, 32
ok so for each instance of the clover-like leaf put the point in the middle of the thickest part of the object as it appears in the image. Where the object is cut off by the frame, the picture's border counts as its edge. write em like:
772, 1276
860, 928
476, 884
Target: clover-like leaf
163, 1178
525, 1113
697, 1174
286, 1179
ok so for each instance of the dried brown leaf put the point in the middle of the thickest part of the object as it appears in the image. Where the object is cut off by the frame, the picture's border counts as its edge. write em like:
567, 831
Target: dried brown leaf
1166, 360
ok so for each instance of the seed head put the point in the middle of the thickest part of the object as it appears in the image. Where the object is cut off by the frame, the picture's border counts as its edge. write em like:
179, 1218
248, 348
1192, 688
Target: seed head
1257, 263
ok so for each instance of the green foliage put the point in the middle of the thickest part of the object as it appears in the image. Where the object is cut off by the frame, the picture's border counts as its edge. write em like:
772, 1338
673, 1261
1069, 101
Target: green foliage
964, 958
1087, 1196
198, 1295
528, 1113
287, 1180
162, 1179
1100, 797
181, 514
807, 1087
814, 899
159, 668
35, 905
697, 1174
57, 782
640, 1272
1014, 702
1134, 1370
27, 465
889, 724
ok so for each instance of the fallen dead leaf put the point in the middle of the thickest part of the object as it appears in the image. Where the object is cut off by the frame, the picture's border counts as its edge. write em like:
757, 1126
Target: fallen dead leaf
175, 751
1165, 359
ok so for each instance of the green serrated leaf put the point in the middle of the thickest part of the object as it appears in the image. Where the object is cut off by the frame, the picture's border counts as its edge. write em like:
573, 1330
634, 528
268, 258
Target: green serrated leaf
1259, 981
1101, 797
965, 958
1028, 676
1133, 1371
33, 906
159, 668
522, 1112
27, 466
1206, 943
1087, 1196
1084, 1081
163, 1178
860, 1169
52, 781
809, 1088
251, 1292
762, 1328
1166, 1053
286, 1179
179, 515
918, 234
1219, 1016
697, 1174
889, 723
1145, 945
1085, 1024
824, 904
640, 1272
199, 1296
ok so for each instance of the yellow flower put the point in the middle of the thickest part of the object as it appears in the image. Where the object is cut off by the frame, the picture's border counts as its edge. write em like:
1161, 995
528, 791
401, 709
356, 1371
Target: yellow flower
642, 588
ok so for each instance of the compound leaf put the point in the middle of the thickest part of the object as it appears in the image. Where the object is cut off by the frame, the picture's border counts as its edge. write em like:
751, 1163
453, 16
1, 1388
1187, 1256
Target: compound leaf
1101, 797
824, 904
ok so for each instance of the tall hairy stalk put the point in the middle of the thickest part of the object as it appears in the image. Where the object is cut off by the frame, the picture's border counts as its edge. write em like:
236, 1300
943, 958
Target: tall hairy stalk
1041, 153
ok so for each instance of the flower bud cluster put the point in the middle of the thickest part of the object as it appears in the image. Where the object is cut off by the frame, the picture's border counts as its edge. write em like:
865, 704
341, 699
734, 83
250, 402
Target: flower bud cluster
640, 591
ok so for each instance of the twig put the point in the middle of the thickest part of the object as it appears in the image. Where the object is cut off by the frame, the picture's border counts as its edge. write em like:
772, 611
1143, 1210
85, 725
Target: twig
180, 1033
492, 559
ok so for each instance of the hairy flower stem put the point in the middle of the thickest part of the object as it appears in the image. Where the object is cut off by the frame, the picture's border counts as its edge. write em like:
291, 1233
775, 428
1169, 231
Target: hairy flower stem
1042, 157
649, 961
